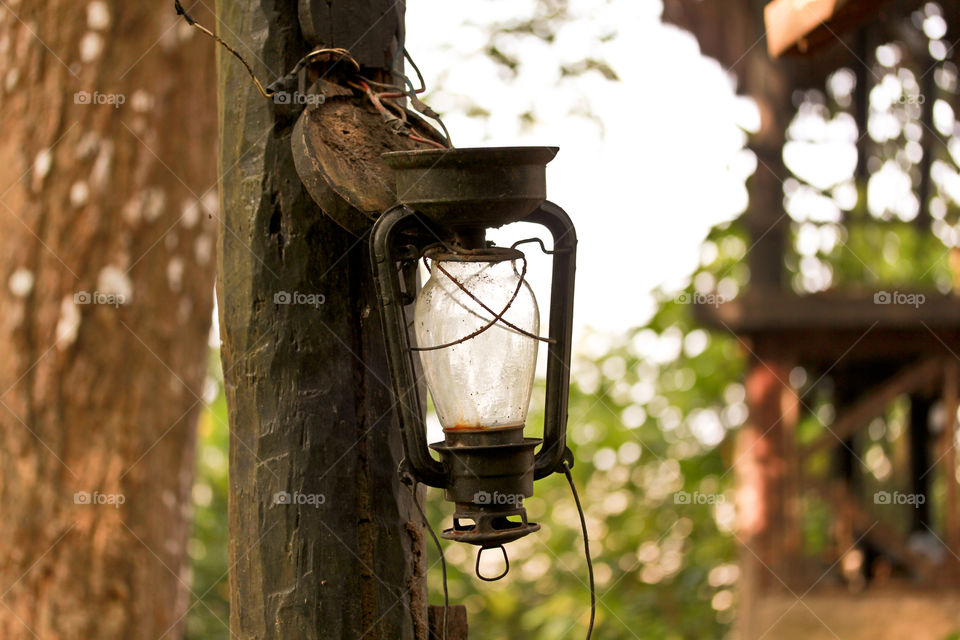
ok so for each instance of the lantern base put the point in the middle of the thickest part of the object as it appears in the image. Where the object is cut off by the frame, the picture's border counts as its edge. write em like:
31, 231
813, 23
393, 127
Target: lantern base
490, 473
491, 526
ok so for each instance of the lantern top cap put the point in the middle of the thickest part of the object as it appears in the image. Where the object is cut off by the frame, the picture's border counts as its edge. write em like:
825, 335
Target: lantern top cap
480, 187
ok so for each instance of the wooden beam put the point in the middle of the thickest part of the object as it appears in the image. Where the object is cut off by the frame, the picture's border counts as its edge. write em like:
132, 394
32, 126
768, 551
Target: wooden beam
872, 403
804, 26
833, 310
456, 628
789, 22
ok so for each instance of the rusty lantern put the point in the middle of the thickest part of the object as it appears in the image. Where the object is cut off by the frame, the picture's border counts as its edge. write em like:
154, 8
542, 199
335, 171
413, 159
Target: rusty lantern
475, 326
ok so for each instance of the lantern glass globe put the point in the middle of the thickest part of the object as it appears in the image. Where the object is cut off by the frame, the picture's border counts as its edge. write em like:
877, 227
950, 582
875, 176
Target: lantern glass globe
483, 382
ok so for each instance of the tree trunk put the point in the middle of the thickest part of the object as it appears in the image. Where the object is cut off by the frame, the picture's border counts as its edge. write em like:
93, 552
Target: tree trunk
340, 553
107, 266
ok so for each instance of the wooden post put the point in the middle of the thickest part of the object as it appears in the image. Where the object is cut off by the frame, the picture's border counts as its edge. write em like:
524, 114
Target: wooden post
919, 435
760, 469
792, 542
340, 553
949, 460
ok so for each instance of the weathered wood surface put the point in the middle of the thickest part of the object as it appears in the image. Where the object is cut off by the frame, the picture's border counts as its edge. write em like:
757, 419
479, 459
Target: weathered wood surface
456, 622
307, 386
371, 29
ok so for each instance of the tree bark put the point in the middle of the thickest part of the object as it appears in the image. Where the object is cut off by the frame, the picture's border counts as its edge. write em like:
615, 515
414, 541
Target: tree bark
107, 267
311, 411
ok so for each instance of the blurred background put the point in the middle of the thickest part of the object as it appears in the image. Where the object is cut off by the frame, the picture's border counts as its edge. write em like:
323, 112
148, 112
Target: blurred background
766, 377
654, 168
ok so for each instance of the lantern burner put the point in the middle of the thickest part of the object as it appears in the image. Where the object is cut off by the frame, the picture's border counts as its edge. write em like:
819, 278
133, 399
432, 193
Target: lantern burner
491, 472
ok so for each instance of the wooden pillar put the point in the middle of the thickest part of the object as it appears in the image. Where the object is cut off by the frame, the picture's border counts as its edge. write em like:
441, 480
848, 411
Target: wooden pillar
949, 448
847, 387
791, 543
311, 411
763, 494
920, 461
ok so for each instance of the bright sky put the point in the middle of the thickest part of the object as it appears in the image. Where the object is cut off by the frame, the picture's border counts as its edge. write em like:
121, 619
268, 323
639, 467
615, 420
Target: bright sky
645, 189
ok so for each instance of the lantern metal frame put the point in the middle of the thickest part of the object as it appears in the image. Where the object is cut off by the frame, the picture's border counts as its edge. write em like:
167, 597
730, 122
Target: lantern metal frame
452, 199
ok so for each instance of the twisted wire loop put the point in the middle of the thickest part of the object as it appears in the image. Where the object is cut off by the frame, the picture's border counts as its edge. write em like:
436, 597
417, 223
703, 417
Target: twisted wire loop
543, 248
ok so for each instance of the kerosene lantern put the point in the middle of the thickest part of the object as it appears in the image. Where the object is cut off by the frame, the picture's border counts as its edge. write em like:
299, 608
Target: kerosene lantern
475, 329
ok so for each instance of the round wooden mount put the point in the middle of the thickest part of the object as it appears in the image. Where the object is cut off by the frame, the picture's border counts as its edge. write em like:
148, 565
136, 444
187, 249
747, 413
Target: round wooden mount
337, 150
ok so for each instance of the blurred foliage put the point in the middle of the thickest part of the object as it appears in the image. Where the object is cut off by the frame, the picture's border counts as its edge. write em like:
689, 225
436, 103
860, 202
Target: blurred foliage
209, 612
652, 410
649, 416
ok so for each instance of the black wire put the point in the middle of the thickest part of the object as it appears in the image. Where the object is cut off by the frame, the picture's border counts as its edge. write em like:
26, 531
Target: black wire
423, 85
266, 93
443, 560
270, 90
543, 248
418, 104
586, 548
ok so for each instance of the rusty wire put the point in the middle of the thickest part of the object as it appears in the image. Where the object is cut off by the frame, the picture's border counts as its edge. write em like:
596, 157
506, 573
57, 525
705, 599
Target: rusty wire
497, 317
398, 124
378, 99
265, 92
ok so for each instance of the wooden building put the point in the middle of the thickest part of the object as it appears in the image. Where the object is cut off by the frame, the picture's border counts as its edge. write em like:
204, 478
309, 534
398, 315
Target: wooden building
888, 562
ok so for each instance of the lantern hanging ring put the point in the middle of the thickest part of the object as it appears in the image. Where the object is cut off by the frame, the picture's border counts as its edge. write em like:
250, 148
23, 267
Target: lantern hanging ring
506, 563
